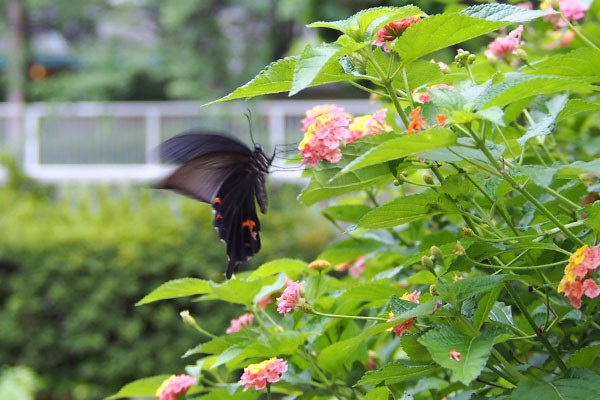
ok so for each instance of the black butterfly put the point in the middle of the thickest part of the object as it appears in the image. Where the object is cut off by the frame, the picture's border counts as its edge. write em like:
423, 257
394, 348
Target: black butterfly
225, 173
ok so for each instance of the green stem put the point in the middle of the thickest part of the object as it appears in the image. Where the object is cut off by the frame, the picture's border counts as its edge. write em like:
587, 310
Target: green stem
578, 33
507, 366
470, 73
366, 89
407, 87
390, 89
562, 198
529, 267
347, 316
402, 178
268, 391
541, 335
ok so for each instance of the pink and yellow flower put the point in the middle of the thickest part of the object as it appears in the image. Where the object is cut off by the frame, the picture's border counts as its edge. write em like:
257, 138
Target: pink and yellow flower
408, 324
573, 10
506, 46
290, 297
366, 125
237, 324
574, 283
257, 375
325, 126
175, 386
393, 30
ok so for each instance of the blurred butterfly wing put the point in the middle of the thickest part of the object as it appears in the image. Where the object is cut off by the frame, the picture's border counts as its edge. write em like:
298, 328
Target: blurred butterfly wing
194, 144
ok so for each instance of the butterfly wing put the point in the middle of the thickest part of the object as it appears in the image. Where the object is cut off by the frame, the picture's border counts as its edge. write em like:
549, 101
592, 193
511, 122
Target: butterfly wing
220, 171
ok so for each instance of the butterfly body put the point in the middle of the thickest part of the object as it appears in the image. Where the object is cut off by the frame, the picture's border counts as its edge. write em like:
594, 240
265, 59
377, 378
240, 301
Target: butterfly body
225, 173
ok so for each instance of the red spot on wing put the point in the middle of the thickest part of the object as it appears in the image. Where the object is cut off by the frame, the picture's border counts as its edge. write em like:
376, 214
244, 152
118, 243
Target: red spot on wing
250, 224
218, 217
217, 200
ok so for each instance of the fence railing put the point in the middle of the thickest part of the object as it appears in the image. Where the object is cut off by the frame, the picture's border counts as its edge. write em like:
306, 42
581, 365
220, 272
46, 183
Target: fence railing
114, 142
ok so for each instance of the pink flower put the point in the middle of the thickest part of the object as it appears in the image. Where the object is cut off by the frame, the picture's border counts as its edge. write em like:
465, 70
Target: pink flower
504, 47
455, 355
358, 267
581, 264
573, 10
290, 297
257, 375
265, 301
238, 324
408, 324
392, 31
366, 125
174, 386
325, 126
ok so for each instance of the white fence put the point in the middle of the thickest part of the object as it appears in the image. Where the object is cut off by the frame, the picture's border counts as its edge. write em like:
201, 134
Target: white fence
117, 142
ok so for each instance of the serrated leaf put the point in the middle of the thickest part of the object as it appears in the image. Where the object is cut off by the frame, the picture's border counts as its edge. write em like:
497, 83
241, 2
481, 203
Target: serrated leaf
403, 146
396, 371
346, 212
584, 357
177, 288
314, 59
504, 12
441, 31
468, 287
406, 209
276, 266
502, 314
404, 309
517, 86
380, 393
463, 152
232, 391
350, 249
576, 106
545, 125
277, 77
582, 64
485, 306
583, 387
140, 387
474, 351
419, 73
239, 291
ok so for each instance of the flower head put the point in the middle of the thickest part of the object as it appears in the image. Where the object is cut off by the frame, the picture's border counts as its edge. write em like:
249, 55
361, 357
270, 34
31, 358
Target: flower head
238, 324
290, 297
358, 267
574, 285
366, 125
417, 122
455, 355
319, 264
408, 324
393, 30
573, 10
325, 126
505, 46
174, 386
257, 375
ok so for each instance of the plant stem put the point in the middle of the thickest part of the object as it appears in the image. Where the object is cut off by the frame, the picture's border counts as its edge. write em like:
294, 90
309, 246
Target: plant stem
578, 33
366, 89
407, 87
390, 89
541, 335
268, 391
347, 316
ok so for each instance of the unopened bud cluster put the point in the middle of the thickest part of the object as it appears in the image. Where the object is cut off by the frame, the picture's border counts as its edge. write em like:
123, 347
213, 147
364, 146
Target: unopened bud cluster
464, 58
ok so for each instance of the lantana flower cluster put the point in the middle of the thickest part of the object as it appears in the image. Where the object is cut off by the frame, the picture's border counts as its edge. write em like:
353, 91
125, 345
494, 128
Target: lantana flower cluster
238, 323
408, 324
175, 386
257, 375
329, 126
290, 297
577, 281
573, 10
355, 267
392, 31
505, 47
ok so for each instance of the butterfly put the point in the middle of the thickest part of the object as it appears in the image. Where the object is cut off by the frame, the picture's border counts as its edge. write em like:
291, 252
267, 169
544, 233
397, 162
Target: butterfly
224, 172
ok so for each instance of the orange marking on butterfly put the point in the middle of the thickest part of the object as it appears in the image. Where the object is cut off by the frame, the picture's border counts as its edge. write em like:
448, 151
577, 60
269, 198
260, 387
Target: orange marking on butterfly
217, 200
250, 225
218, 217
246, 244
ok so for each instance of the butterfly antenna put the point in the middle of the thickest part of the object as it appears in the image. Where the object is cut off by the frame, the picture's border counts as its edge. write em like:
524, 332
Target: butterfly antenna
249, 118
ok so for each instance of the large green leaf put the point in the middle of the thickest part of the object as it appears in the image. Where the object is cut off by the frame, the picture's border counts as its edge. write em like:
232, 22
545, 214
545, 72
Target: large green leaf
582, 64
361, 25
140, 387
276, 266
582, 385
315, 191
314, 60
277, 77
419, 73
517, 86
397, 371
403, 146
350, 249
406, 209
468, 287
504, 12
239, 291
485, 306
592, 211
458, 153
380, 393
546, 122
474, 351
346, 212
177, 288
576, 106
584, 357
441, 31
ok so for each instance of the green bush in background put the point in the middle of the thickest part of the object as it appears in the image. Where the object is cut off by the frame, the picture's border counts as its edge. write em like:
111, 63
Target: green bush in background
73, 265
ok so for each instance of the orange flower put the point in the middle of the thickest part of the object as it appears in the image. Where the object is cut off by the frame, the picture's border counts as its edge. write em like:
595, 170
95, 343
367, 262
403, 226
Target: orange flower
319, 264
417, 123
441, 119
455, 355
408, 324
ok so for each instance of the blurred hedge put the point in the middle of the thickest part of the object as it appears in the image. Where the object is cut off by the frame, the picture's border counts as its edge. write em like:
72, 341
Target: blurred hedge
72, 268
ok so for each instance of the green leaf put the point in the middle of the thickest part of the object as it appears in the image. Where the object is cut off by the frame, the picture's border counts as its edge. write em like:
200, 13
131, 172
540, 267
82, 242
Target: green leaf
314, 59
219, 344
372, 292
517, 86
346, 212
504, 12
284, 343
177, 288
502, 314
419, 73
468, 153
583, 387
584, 357
582, 64
276, 266
350, 249
140, 387
233, 391
363, 24
238, 291
546, 122
396, 371
593, 216
474, 351
457, 186
277, 77
268, 289
404, 309
406, 209
403, 146
576, 106
380, 393
441, 31
485, 305
468, 287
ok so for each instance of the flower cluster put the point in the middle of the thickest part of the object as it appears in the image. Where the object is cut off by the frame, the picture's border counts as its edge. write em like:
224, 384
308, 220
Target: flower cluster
239, 323
174, 386
319, 264
290, 297
506, 46
328, 126
265, 301
355, 268
573, 10
257, 375
424, 97
393, 30
455, 355
408, 324
417, 121
574, 283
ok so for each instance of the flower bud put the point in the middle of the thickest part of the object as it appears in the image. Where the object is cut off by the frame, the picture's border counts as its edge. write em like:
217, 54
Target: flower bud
522, 54
397, 182
432, 291
428, 179
187, 318
437, 253
467, 231
459, 250
426, 262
